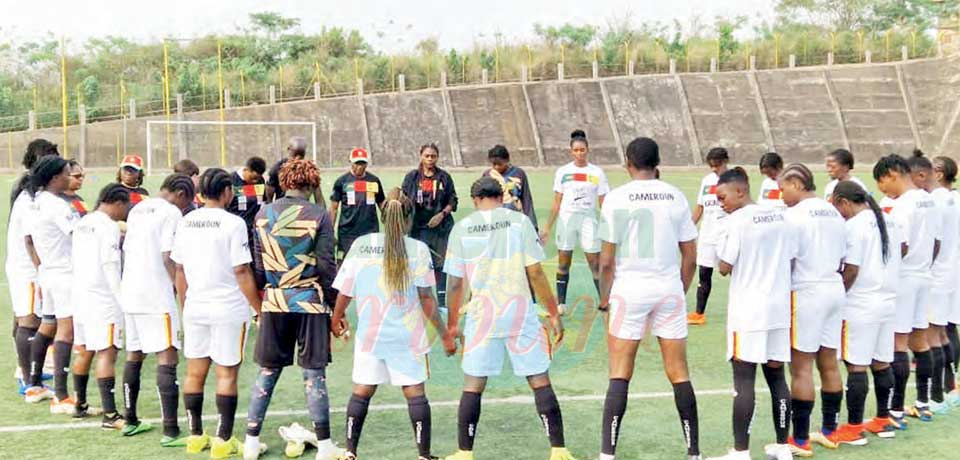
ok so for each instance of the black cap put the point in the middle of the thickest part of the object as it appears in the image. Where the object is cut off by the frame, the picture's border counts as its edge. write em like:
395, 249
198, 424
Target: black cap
486, 187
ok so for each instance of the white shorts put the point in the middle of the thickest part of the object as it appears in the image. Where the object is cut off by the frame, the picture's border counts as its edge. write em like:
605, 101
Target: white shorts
666, 318
954, 316
97, 335
370, 370
815, 317
865, 342
578, 229
58, 299
24, 297
759, 346
152, 332
706, 254
939, 307
912, 296
530, 354
205, 337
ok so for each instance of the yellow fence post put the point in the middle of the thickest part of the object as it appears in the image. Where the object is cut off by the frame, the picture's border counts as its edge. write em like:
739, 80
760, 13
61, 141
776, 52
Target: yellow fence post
776, 51
496, 63
223, 133
281, 82
860, 45
203, 91
10, 149
243, 89
63, 96
393, 76
463, 69
913, 43
833, 42
121, 98
36, 103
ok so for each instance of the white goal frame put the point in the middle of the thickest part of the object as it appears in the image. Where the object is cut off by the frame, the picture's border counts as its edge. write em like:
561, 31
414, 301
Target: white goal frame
150, 123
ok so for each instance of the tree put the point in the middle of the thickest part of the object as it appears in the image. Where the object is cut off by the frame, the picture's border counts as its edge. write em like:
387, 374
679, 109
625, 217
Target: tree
916, 14
836, 14
567, 34
272, 24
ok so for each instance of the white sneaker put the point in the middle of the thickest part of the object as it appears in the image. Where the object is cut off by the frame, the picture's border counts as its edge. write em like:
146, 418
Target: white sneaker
562, 309
253, 448
778, 452
734, 455
327, 450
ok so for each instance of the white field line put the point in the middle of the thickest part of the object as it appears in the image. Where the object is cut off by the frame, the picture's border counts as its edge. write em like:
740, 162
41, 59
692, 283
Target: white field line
512, 400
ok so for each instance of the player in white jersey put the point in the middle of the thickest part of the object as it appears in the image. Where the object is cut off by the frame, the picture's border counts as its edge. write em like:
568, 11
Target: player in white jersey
391, 278
771, 165
216, 287
151, 316
871, 268
647, 234
839, 163
915, 213
816, 301
940, 299
756, 251
578, 191
22, 282
50, 236
945, 171
496, 253
98, 321
709, 215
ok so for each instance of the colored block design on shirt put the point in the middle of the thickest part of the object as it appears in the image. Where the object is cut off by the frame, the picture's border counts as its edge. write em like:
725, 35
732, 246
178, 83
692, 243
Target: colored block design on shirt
709, 190
579, 177
362, 191
248, 195
772, 194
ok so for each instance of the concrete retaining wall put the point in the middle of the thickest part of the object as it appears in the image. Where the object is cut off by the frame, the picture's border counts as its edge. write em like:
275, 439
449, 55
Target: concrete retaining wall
801, 113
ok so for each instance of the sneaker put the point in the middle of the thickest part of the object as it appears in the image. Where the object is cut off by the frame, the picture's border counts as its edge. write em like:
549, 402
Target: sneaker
65, 406
22, 387
297, 437
898, 421
848, 434
778, 452
461, 455
561, 453
882, 427
562, 309
734, 455
197, 443
112, 421
85, 410
696, 319
174, 441
36, 394
253, 448
800, 448
823, 438
133, 429
327, 450
921, 413
940, 408
220, 449
954, 398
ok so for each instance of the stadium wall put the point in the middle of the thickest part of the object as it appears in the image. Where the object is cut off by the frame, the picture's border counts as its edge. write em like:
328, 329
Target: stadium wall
873, 109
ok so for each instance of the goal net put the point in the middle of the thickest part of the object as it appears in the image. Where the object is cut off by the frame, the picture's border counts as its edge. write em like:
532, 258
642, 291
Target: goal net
224, 144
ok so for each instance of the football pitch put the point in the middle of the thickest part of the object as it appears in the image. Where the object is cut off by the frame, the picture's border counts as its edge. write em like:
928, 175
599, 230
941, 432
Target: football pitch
509, 427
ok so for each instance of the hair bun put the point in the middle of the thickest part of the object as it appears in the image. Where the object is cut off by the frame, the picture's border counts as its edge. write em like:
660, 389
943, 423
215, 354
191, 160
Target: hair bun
578, 134
917, 153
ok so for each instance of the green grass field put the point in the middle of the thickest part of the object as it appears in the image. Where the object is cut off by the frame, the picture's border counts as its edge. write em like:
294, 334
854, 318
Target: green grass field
509, 427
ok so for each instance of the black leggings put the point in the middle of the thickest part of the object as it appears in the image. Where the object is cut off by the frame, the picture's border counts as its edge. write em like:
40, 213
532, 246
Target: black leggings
703, 290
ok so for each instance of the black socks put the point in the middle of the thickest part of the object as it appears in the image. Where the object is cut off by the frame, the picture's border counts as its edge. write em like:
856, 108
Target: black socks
107, 397
831, 409
193, 403
614, 406
704, 288
801, 419
61, 368
418, 408
901, 373
356, 414
468, 416
227, 412
131, 389
686, 401
38, 354
883, 382
562, 280
22, 342
924, 375
936, 388
780, 396
857, 388
548, 408
744, 378
80, 387
169, 392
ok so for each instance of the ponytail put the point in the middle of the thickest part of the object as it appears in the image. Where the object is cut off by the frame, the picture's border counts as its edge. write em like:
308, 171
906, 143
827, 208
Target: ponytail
854, 193
397, 211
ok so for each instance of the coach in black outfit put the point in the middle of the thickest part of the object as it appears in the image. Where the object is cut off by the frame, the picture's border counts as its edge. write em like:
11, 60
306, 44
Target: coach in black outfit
357, 195
435, 200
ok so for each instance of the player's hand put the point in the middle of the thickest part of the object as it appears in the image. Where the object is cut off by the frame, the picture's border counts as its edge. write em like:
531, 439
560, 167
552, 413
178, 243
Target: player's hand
450, 340
544, 234
340, 328
436, 219
604, 306
556, 329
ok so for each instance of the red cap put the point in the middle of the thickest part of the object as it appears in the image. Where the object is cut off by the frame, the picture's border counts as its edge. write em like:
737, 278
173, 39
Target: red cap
132, 161
358, 155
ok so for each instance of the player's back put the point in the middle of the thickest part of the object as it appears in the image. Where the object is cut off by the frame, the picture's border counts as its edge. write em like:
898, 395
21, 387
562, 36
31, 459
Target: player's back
22, 214
915, 212
96, 241
820, 232
146, 286
647, 219
51, 234
760, 245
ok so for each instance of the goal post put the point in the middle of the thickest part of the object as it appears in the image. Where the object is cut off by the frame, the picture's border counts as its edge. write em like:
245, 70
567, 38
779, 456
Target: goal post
211, 141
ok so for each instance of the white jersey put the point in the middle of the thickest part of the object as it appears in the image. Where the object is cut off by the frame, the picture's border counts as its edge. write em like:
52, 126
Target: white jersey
872, 296
51, 233
146, 286
647, 219
96, 263
712, 211
770, 194
945, 266
828, 190
389, 324
916, 214
760, 245
820, 231
209, 243
580, 188
19, 265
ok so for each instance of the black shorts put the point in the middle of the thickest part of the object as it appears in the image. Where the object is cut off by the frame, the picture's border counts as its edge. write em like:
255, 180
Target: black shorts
344, 242
436, 240
284, 334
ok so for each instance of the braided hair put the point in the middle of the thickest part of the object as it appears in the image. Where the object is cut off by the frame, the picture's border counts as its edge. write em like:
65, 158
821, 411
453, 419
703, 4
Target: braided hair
397, 215
299, 174
799, 173
213, 182
179, 183
113, 193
